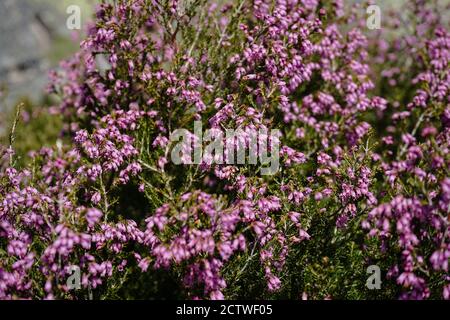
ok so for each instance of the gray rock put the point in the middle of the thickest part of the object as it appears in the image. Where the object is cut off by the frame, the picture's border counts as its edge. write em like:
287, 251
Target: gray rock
27, 29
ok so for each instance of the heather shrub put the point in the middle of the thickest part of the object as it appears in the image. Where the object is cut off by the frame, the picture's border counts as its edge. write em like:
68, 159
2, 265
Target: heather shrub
363, 120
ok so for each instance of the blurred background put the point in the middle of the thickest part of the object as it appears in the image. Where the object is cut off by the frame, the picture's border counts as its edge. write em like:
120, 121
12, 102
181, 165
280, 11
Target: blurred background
33, 39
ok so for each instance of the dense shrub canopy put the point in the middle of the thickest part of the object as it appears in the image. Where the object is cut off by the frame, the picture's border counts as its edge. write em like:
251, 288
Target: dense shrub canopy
364, 118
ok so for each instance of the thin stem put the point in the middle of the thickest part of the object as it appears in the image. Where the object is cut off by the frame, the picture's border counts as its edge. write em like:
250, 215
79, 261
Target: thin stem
12, 136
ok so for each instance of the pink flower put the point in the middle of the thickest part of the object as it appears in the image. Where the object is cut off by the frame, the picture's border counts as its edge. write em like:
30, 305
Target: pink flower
93, 216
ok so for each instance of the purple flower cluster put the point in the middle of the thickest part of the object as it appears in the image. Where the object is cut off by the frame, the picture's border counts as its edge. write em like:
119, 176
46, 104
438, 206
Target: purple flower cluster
352, 153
